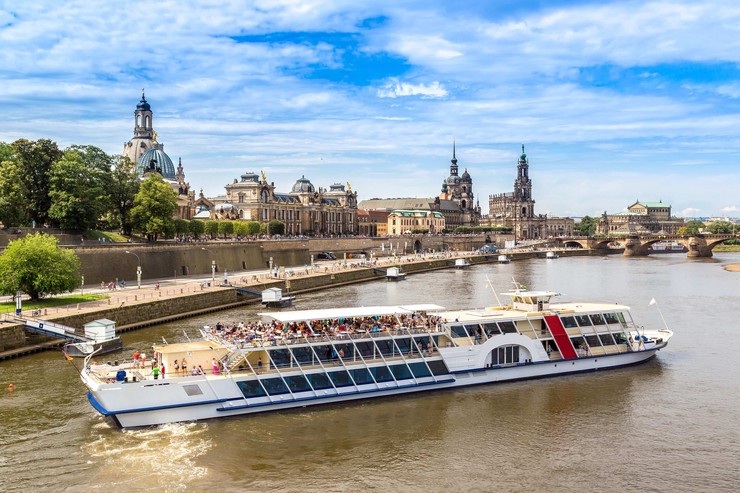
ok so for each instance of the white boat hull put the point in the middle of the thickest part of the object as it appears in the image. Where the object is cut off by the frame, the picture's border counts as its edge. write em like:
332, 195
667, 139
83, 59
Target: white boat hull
161, 401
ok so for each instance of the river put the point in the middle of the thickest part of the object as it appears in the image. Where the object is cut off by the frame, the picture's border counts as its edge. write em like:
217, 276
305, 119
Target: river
668, 425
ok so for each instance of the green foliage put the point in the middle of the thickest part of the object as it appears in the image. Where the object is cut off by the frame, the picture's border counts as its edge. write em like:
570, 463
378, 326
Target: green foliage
35, 265
692, 227
720, 227
122, 187
240, 228
35, 159
154, 206
13, 211
77, 187
587, 226
9, 306
212, 228
109, 236
276, 227
482, 229
253, 228
419, 231
263, 228
197, 227
225, 228
182, 226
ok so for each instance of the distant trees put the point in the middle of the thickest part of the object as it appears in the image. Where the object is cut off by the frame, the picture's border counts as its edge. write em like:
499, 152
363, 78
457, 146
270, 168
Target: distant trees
253, 228
225, 228
692, 227
720, 227
587, 226
37, 266
197, 227
212, 228
154, 206
122, 187
276, 227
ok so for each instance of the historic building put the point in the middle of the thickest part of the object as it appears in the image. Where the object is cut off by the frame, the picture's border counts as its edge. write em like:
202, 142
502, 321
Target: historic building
641, 217
456, 201
305, 210
149, 157
406, 222
515, 210
372, 222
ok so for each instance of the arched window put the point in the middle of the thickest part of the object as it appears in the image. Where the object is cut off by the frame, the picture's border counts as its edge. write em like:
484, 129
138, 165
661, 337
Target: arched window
463, 204
147, 121
264, 196
138, 120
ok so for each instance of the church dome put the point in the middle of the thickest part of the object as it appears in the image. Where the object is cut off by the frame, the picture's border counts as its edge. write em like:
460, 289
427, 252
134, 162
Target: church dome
143, 105
453, 180
302, 185
161, 161
466, 176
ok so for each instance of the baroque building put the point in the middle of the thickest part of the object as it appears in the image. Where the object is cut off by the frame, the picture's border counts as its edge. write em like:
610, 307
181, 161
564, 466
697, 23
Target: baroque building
456, 202
305, 210
515, 210
641, 217
148, 154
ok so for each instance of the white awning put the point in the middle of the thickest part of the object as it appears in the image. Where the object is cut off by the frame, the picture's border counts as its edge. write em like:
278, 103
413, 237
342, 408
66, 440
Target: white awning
362, 311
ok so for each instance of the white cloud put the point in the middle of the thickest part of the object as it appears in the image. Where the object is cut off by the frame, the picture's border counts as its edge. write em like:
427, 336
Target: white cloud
396, 89
690, 212
730, 208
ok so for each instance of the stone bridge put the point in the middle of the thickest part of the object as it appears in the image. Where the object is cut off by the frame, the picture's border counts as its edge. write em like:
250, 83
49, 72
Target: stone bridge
699, 245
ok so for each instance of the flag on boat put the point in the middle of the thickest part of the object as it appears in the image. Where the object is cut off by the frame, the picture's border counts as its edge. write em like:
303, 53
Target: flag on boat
653, 302
69, 358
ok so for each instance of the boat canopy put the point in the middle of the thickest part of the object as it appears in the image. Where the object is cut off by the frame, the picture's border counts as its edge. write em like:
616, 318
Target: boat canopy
336, 313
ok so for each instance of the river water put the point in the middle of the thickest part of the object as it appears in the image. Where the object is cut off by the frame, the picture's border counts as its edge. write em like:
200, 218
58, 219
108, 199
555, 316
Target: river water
671, 424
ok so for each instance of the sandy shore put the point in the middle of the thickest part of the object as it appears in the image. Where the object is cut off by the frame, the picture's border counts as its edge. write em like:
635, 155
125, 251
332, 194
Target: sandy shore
732, 267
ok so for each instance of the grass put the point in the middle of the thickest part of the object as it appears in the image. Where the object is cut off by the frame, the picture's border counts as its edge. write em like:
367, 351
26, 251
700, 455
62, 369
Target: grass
727, 248
73, 299
111, 236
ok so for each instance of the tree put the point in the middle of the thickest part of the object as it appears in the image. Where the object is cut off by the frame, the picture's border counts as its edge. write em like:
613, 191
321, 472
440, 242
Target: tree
13, 210
212, 228
276, 227
692, 227
77, 187
154, 206
122, 187
35, 160
225, 228
37, 266
253, 228
720, 227
587, 226
182, 226
240, 228
197, 227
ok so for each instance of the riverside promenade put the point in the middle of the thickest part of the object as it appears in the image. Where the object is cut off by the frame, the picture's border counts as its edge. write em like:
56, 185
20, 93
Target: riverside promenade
168, 299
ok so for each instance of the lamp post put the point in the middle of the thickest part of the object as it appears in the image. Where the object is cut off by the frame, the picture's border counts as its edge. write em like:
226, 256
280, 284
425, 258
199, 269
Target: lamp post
138, 269
213, 267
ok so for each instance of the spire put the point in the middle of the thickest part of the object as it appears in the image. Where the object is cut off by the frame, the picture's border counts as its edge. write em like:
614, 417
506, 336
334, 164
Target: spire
454, 158
142, 94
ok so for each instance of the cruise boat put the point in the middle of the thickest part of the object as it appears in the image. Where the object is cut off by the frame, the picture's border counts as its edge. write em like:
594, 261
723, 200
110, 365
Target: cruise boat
295, 359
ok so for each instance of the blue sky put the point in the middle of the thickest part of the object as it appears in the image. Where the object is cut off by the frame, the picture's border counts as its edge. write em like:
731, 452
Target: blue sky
615, 101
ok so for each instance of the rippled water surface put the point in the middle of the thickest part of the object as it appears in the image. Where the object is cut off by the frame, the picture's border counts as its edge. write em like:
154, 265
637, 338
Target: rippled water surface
668, 425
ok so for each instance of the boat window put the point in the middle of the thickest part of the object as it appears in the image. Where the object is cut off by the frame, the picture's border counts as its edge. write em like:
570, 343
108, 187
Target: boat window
611, 318
346, 351
528, 300
361, 376
319, 381
365, 349
403, 345
606, 339
438, 367
302, 355
583, 320
382, 374
491, 329
326, 353
275, 386
385, 347
340, 378
297, 383
401, 372
458, 331
505, 355
507, 327
578, 342
251, 388
419, 370
593, 341
620, 316
474, 331
568, 322
422, 343
280, 357
597, 319
620, 337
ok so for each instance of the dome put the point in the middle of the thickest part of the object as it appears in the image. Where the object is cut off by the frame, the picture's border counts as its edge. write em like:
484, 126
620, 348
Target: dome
161, 161
225, 206
466, 176
250, 177
453, 180
302, 185
143, 105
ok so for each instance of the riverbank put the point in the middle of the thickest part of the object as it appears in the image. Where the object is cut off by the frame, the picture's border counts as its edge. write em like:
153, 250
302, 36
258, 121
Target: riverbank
732, 267
133, 309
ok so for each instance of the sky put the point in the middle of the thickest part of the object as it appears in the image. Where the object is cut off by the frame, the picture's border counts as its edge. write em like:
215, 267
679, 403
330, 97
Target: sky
614, 101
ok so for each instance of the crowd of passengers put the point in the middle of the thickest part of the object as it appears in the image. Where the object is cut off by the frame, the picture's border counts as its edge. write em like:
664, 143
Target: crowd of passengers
275, 332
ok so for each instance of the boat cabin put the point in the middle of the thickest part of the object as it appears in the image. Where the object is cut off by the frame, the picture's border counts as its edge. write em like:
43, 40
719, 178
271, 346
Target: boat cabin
531, 301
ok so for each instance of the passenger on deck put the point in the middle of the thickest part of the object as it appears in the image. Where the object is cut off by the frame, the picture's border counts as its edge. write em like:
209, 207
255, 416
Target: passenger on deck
184, 366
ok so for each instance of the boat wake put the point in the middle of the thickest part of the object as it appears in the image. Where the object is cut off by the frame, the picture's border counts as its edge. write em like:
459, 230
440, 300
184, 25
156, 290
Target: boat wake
163, 457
